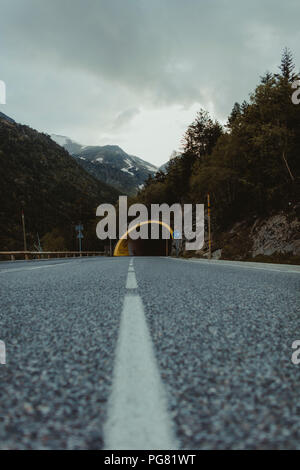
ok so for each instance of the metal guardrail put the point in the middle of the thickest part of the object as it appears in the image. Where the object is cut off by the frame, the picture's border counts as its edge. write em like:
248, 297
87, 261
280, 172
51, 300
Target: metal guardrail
49, 254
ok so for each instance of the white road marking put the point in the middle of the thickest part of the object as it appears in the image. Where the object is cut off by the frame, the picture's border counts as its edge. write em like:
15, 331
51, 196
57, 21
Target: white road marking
131, 280
137, 409
218, 263
2, 352
31, 269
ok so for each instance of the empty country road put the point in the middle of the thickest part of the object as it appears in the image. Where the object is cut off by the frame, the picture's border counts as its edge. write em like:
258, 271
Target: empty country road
149, 353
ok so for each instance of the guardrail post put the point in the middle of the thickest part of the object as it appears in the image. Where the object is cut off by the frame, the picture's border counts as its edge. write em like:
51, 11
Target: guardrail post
12, 258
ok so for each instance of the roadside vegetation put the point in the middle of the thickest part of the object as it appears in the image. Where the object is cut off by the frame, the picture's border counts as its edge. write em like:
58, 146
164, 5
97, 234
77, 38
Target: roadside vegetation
250, 167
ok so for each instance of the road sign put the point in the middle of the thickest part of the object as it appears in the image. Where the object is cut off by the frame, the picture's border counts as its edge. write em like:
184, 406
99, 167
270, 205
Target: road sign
79, 229
176, 235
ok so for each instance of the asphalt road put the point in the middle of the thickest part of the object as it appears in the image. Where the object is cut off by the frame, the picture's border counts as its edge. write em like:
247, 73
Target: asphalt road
149, 353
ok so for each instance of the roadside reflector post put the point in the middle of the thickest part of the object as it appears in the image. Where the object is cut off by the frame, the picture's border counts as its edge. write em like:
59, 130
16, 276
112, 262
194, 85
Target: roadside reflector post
209, 226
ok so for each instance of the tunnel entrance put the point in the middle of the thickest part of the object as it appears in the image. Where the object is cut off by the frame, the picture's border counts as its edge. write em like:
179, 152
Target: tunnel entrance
126, 246
149, 247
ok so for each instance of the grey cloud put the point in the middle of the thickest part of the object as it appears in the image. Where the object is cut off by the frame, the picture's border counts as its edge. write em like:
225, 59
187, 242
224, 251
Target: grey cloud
166, 50
105, 56
124, 118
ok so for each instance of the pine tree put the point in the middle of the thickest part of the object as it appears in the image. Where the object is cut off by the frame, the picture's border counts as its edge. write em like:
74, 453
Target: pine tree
236, 112
244, 106
267, 78
287, 65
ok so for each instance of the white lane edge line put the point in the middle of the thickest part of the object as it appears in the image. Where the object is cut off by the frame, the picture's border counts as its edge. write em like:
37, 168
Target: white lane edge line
137, 408
236, 266
31, 269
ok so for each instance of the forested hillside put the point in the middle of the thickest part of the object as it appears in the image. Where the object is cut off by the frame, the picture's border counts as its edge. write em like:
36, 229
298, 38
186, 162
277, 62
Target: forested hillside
41, 178
250, 167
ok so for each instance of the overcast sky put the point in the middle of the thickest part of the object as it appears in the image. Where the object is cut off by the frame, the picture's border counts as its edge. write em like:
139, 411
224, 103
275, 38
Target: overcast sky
135, 72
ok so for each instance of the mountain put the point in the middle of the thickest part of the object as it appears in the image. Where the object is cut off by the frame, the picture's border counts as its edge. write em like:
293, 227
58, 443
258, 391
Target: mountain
6, 118
56, 193
174, 155
164, 167
110, 164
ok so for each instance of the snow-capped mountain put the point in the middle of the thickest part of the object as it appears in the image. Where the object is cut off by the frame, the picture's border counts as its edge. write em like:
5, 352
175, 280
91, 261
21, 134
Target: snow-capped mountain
110, 164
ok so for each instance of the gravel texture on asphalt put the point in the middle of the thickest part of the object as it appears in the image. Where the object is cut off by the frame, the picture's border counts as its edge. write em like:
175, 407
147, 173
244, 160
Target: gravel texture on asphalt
223, 337
60, 326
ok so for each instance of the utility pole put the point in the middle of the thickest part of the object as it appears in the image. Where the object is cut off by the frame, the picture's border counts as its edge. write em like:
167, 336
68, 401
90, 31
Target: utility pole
24, 231
209, 226
39, 243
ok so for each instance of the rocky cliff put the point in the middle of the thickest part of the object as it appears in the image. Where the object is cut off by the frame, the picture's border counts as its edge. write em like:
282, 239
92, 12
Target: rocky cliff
272, 239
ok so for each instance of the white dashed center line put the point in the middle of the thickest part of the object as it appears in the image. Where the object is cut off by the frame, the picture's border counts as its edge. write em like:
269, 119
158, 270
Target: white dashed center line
137, 409
11, 270
131, 280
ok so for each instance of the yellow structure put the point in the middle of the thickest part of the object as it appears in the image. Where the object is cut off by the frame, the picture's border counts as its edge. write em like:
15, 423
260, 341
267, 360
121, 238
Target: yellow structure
122, 248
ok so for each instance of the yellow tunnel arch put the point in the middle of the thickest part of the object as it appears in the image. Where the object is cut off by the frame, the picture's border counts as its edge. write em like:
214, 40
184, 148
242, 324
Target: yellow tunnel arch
122, 248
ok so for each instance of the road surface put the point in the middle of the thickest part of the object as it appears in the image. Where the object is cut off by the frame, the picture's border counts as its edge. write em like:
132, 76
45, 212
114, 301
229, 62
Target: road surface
149, 353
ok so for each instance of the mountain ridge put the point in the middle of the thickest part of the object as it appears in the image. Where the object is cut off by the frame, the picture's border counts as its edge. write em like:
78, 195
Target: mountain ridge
41, 178
110, 163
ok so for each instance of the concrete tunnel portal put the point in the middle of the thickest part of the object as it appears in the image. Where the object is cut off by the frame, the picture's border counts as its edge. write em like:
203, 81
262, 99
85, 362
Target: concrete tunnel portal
126, 246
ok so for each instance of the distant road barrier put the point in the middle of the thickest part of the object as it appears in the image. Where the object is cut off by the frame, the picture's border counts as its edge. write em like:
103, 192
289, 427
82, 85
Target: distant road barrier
48, 254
